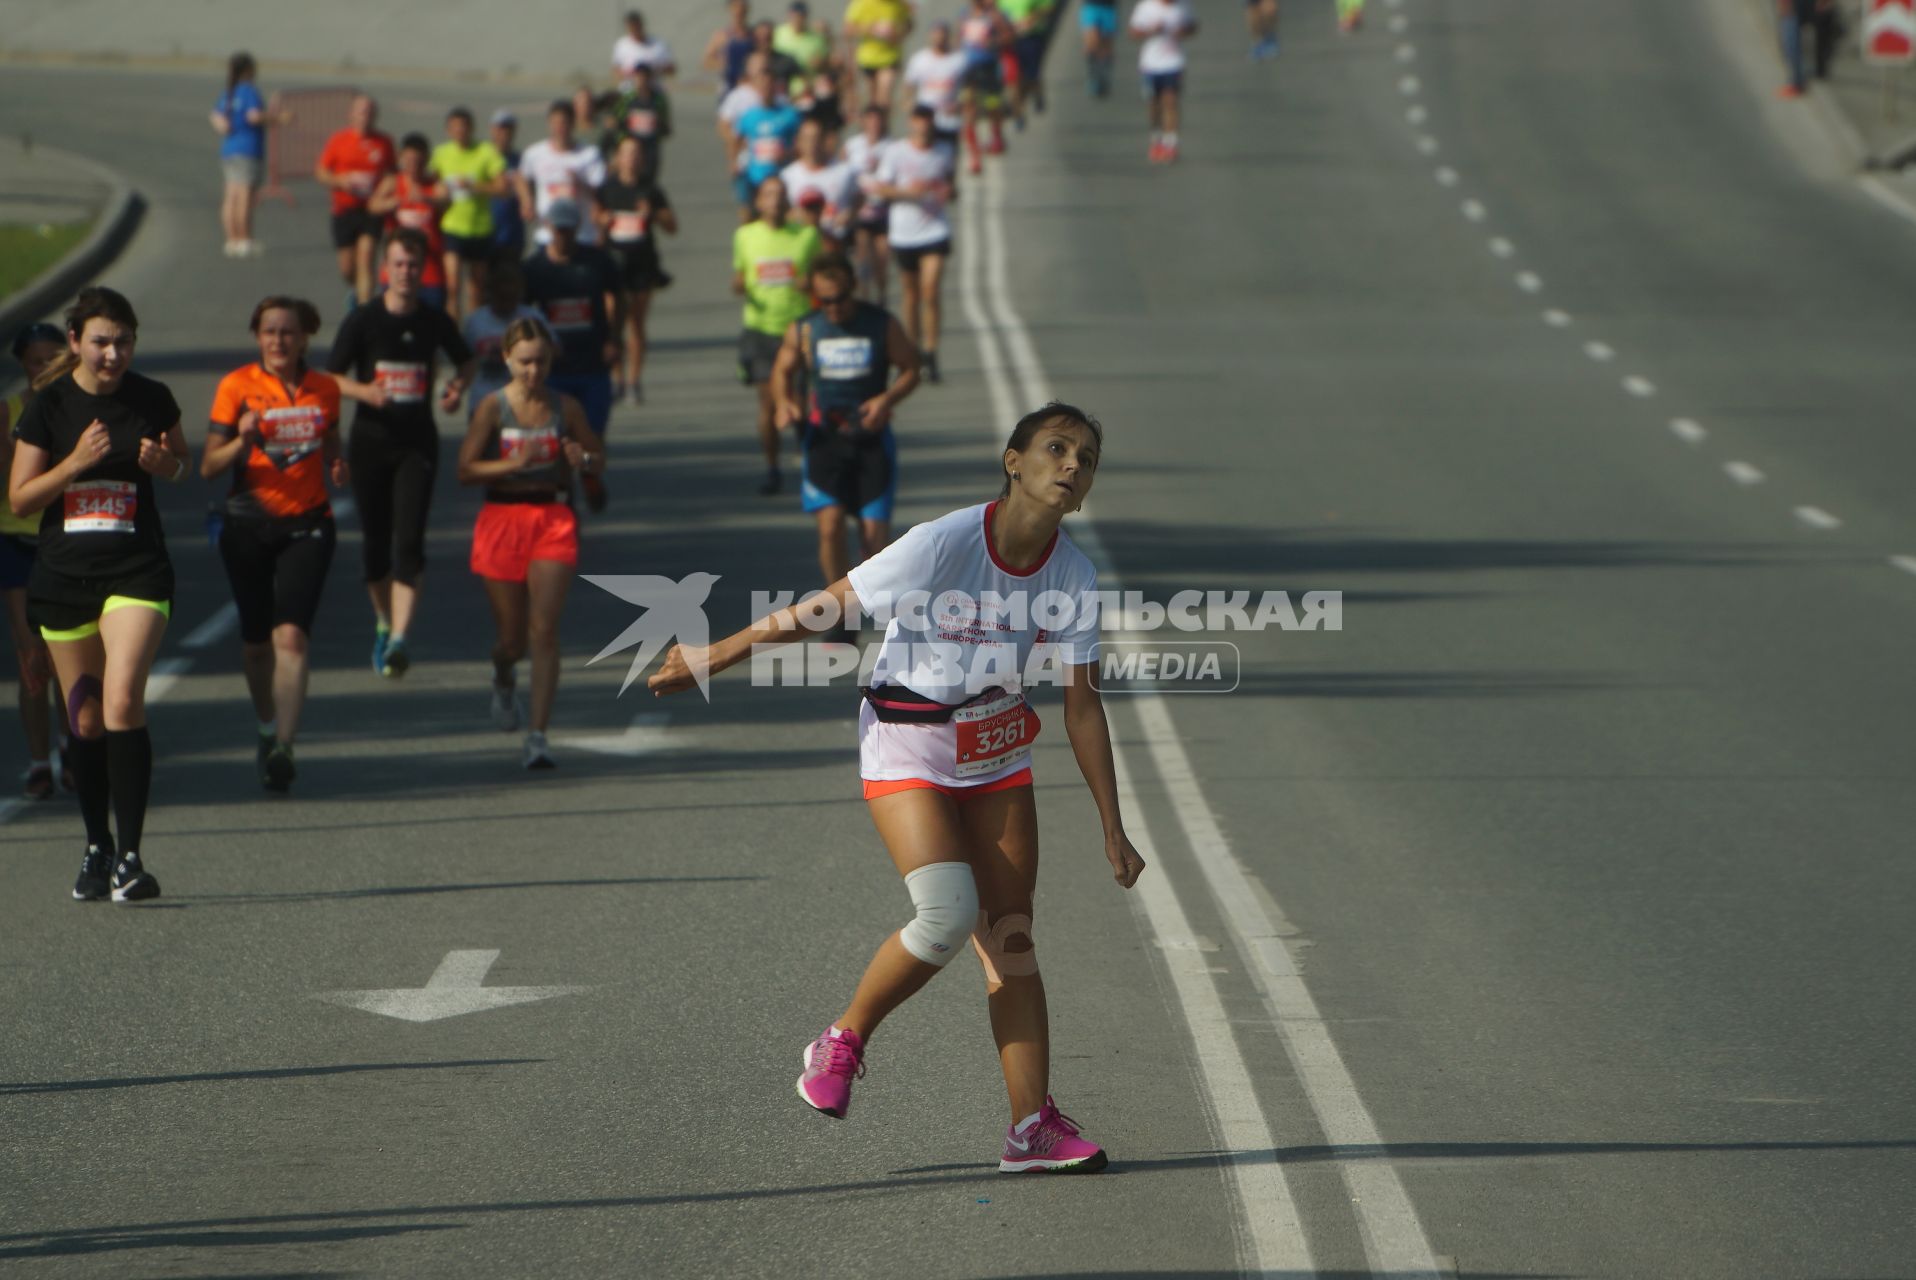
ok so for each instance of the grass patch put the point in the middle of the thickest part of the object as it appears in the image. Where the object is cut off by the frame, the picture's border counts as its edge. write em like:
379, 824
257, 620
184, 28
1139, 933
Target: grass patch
25, 252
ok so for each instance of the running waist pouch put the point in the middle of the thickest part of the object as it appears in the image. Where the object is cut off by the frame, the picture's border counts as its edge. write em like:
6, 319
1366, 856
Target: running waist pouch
895, 704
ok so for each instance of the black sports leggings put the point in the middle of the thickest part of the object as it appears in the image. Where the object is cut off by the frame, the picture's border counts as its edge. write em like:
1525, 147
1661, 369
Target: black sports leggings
393, 473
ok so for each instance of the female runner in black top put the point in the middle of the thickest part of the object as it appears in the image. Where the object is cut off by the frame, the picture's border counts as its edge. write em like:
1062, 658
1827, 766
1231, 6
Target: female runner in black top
89, 446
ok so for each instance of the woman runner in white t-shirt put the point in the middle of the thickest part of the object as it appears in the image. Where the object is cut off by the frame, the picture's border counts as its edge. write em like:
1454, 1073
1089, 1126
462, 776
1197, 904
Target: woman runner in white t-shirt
945, 744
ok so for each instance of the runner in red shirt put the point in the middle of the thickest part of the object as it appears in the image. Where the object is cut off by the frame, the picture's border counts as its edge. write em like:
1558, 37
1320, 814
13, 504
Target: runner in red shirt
412, 197
352, 164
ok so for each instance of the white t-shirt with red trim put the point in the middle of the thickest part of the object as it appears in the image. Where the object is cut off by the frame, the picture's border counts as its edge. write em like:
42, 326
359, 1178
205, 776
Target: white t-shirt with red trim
958, 623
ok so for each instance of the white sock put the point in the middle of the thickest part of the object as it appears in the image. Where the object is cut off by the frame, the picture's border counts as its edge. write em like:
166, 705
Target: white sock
1170, 139
1027, 1122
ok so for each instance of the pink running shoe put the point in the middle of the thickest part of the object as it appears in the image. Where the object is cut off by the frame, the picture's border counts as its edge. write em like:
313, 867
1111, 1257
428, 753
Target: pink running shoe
1051, 1145
832, 1062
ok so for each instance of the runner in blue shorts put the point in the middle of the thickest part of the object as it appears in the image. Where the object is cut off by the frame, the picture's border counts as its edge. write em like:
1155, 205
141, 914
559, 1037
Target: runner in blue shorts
846, 350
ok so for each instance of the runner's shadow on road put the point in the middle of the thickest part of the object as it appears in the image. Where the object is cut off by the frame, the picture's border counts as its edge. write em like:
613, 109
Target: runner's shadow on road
112, 1241
402, 891
265, 1073
229, 1230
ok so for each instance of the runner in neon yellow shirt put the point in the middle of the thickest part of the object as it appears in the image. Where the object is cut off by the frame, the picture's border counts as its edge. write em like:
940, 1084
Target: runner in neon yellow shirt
880, 27
771, 270
473, 173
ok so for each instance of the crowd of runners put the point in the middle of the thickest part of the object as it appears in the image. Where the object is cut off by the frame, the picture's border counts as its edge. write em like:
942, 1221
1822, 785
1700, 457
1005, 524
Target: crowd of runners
515, 285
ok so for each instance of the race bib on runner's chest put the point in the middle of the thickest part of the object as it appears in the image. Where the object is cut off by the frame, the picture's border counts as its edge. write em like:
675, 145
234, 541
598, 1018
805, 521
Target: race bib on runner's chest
569, 313
403, 383
643, 123
628, 226
542, 443
100, 506
843, 357
768, 150
289, 433
774, 271
419, 219
991, 734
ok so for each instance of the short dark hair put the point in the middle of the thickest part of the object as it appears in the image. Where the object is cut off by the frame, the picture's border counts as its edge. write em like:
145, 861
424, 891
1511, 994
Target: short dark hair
416, 142
838, 267
924, 112
306, 313
460, 113
562, 107
414, 240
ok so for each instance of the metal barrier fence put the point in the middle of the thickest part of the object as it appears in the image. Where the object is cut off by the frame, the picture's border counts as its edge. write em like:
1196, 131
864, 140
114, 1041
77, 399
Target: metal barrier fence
292, 148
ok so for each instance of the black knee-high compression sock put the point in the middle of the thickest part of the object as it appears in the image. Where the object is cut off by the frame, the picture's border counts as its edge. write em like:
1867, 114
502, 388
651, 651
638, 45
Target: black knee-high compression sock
88, 758
129, 768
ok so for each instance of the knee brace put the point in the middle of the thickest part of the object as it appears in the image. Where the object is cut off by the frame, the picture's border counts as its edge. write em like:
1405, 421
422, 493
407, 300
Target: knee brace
946, 898
990, 940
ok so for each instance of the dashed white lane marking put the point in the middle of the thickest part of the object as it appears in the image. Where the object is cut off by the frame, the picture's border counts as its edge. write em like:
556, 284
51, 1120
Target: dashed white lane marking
1474, 210
1446, 176
1906, 563
1555, 319
1502, 248
1817, 518
1601, 352
1407, 53
1688, 431
1416, 115
1530, 282
1399, 24
1743, 473
1639, 386
1427, 145
1408, 86
213, 630
1393, 1237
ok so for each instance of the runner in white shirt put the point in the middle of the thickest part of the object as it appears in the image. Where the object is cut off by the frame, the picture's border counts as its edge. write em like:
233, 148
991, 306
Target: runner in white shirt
871, 248
937, 75
558, 168
635, 49
825, 192
1163, 26
742, 98
915, 174
945, 758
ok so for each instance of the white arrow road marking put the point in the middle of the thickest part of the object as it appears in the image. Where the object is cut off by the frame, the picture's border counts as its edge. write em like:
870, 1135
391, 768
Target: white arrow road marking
645, 735
452, 990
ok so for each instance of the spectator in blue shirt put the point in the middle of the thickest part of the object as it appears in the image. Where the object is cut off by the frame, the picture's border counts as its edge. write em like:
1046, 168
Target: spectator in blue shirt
241, 117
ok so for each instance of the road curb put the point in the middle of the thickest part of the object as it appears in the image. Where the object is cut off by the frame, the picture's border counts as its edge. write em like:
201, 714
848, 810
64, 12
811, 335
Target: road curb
119, 218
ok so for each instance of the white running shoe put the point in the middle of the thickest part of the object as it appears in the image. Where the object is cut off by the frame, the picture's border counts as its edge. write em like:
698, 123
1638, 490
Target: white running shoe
537, 757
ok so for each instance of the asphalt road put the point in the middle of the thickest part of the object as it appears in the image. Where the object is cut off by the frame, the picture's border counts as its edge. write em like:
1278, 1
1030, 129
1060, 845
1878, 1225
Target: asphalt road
1587, 833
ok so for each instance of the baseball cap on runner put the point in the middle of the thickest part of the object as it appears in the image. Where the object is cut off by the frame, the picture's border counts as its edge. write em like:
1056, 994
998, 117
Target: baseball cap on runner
812, 199
39, 331
564, 213
503, 116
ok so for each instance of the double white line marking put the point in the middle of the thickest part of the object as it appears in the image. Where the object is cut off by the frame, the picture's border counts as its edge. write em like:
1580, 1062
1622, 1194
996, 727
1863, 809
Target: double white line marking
1273, 1240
